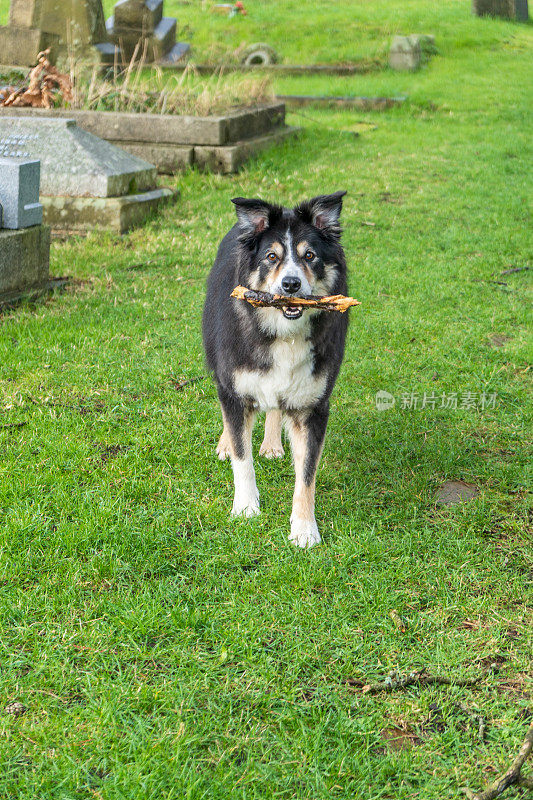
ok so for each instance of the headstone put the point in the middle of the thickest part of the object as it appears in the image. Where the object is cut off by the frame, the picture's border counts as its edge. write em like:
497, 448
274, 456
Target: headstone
24, 242
140, 24
509, 9
86, 182
405, 53
74, 27
19, 189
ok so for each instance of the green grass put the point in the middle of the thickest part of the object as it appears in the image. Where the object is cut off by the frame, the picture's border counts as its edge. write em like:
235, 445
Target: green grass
164, 650
310, 32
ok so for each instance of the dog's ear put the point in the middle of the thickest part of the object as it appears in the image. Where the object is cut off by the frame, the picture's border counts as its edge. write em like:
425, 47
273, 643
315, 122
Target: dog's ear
323, 212
253, 215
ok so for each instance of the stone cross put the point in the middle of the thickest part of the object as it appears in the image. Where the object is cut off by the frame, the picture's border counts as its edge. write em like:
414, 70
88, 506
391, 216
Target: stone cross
19, 187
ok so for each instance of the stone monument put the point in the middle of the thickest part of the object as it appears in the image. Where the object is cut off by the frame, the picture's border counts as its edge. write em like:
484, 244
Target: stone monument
24, 242
86, 183
409, 52
510, 9
66, 26
142, 22
19, 188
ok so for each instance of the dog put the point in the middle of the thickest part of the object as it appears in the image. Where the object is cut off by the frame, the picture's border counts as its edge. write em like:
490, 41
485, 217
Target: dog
282, 361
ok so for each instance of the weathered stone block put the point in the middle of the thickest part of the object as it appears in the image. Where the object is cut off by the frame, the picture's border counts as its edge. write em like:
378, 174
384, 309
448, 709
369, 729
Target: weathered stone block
140, 15
24, 261
405, 53
232, 157
19, 46
509, 9
118, 214
19, 193
167, 158
173, 129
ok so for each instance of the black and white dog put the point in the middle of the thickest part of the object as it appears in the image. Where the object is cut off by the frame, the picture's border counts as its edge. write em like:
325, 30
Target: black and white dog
282, 361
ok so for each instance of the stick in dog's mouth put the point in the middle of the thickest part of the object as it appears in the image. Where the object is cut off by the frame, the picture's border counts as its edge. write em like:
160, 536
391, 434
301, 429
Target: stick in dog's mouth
293, 307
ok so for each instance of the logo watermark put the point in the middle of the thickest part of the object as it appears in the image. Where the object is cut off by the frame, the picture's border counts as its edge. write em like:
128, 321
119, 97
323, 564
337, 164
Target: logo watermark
451, 401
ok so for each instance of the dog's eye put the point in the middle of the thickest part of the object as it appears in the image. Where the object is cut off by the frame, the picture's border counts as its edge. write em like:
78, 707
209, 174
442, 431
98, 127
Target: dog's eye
272, 257
309, 255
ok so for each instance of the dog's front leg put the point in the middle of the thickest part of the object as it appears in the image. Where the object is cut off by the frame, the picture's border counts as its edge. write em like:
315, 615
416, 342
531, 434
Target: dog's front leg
272, 446
238, 423
306, 431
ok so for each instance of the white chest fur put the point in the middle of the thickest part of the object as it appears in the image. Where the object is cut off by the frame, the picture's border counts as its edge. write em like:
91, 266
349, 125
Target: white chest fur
289, 382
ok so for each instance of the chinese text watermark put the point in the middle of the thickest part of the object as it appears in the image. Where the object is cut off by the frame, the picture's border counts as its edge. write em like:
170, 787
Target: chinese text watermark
451, 401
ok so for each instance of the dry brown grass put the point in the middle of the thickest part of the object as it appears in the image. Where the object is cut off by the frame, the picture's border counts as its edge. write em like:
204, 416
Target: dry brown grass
132, 87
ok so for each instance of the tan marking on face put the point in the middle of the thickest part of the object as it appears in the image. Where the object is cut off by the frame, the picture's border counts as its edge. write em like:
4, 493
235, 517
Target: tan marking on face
302, 248
277, 248
325, 286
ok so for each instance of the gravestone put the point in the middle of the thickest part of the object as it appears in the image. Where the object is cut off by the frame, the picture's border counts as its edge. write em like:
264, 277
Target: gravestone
74, 27
409, 52
86, 183
405, 53
24, 242
509, 9
19, 187
141, 22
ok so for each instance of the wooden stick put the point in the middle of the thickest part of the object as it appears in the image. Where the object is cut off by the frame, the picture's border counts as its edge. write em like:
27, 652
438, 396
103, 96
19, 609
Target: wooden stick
334, 302
512, 775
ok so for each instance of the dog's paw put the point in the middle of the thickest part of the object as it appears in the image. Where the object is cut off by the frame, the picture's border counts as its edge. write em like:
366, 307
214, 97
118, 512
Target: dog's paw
223, 452
304, 533
246, 507
271, 451
223, 448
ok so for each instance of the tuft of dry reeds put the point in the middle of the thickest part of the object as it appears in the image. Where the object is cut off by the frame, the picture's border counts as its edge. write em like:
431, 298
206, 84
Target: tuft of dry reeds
135, 87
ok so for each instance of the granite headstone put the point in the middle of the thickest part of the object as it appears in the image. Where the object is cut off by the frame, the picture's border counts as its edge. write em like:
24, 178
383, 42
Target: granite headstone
24, 242
19, 190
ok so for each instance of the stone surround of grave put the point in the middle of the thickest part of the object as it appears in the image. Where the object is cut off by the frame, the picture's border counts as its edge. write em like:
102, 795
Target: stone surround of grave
140, 24
24, 241
66, 26
86, 183
218, 143
509, 9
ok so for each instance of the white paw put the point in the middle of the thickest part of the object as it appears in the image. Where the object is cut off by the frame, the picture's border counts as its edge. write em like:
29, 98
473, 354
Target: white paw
223, 452
271, 451
304, 533
246, 506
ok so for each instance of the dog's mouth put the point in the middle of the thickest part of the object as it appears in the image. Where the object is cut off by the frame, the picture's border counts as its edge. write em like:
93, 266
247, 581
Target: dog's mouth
292, 312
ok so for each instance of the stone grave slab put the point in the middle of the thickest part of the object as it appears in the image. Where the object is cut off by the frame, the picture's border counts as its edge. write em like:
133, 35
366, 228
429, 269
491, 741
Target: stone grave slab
76, 164
19, 193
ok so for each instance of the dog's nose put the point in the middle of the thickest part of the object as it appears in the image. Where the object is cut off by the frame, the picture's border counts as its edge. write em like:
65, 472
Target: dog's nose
290, 284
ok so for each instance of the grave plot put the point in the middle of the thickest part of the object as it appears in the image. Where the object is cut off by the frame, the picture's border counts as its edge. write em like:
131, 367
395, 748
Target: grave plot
219, 143
86, 183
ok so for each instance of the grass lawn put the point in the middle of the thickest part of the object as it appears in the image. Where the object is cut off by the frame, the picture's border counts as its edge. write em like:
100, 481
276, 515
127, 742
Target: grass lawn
163, 650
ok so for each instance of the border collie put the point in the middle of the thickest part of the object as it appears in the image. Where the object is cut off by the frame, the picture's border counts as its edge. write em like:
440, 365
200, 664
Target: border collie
282, 361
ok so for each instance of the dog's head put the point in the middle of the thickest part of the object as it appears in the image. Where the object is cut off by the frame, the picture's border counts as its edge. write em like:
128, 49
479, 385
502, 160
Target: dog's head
291, 251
